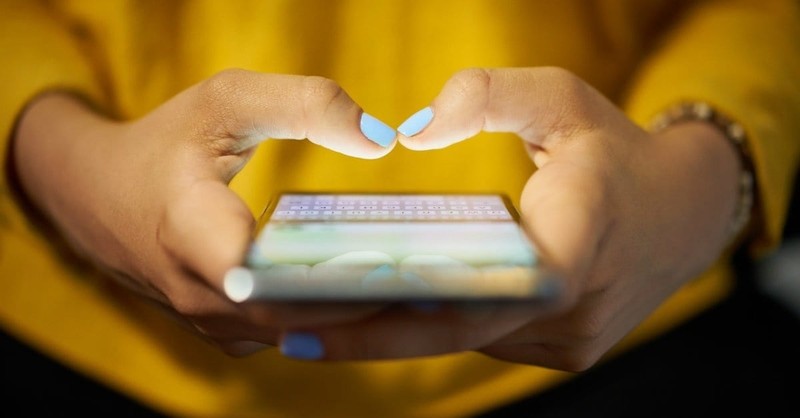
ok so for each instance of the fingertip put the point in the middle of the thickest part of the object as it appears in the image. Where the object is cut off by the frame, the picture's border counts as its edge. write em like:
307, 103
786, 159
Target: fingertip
426, 141
443, 123
239, 284
243, 348
302, 346
413, 131
377, 131
417, 122
377, 151
413, 144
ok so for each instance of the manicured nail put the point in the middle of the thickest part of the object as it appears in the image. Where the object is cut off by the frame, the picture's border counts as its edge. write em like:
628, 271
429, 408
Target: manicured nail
377, 131
302, 346
417, 122
415, 281
239, 284
380, 274
550, 287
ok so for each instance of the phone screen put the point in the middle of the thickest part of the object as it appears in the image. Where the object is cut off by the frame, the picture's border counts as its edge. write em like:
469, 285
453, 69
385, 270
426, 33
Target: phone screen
363, 246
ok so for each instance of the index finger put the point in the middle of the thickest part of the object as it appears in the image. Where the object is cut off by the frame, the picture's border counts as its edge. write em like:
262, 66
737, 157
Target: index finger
244, 108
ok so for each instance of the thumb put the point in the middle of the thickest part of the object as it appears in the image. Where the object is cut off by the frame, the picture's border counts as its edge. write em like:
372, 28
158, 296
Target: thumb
563, 211
538, 104
240, 108
563, 203
207, 229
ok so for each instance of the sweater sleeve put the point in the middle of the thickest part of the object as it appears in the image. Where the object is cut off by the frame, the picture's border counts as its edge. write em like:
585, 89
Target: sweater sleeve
40, 54
743, 57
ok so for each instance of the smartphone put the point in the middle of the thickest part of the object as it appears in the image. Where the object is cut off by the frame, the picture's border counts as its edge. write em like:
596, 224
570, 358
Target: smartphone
390, 247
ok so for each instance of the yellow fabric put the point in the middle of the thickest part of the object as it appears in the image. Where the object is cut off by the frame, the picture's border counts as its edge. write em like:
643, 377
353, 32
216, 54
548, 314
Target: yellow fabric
392, 57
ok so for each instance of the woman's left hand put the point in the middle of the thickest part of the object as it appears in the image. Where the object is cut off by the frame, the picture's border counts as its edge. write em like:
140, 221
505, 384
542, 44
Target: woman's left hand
622, 216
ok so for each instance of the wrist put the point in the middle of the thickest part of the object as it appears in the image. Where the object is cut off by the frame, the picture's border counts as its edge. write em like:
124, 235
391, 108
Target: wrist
730, 140
50, 145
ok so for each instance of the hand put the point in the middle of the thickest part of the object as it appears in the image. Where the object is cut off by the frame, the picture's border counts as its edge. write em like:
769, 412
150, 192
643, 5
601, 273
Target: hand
148, 200
623, 217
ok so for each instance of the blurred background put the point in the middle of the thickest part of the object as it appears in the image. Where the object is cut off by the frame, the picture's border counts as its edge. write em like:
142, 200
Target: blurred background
779, 274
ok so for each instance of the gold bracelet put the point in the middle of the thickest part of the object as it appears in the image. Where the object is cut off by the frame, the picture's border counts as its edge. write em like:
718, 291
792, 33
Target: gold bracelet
701, 111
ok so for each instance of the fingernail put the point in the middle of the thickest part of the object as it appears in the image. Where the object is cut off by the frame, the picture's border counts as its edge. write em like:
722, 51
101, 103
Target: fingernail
377, 131
414, 280
417, 122
302, 346
380, 274
550, 287
239, 284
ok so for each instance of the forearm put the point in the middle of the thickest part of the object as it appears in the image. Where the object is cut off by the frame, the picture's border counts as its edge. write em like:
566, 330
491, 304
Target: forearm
59, 154
44, 57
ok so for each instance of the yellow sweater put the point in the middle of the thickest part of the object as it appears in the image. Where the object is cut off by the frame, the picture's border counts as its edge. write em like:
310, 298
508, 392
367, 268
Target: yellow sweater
392, 57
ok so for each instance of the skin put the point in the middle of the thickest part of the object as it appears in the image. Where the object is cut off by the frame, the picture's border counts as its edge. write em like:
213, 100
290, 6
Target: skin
622, 216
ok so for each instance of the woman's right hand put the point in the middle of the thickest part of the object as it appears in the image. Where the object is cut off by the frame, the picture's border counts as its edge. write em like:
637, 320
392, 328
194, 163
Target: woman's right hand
148, 200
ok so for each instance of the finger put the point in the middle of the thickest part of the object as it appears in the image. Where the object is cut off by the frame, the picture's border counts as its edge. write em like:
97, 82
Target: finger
563, 210
562, 205
207, 230
199, 309
403, 333
222, 326
244, 108
573, 341
534, 103
287, 315
243, 348
542, 355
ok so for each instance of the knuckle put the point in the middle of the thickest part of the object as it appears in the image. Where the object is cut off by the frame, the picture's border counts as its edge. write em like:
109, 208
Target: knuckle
584, 350
472, 82
217, 96
323, 89
321, 93
569, 87
222, 84
575, 111
561, 77
321, 96
578, 359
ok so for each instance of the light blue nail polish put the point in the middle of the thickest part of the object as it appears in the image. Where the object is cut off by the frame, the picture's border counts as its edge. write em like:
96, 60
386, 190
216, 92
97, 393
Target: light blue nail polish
417, 122
415, 281
381, 274
302, 346
377, 131
550, 287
